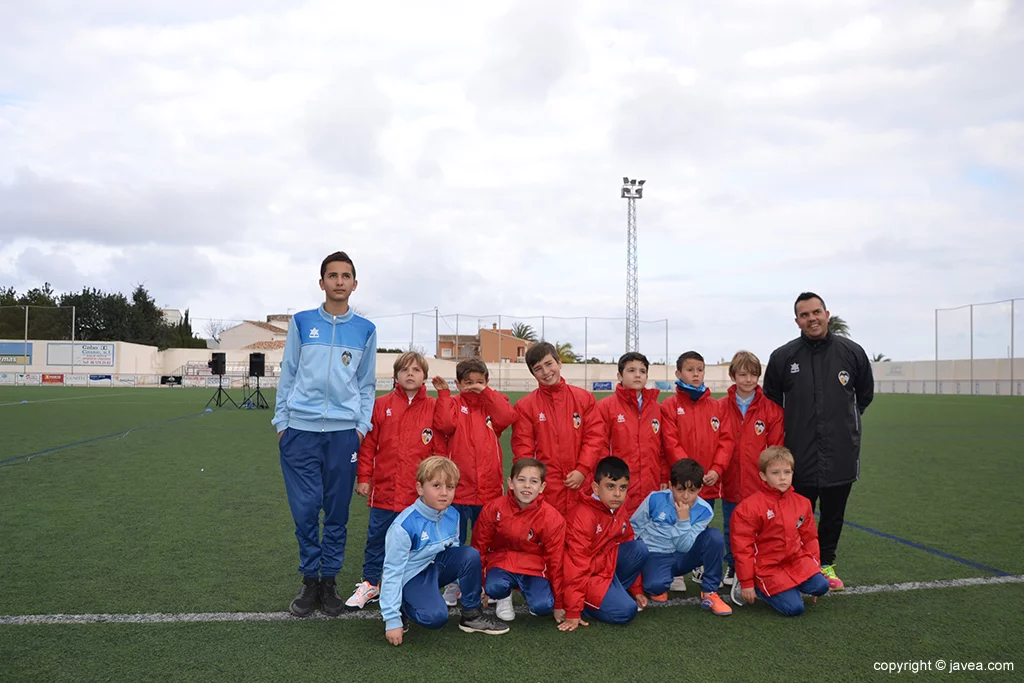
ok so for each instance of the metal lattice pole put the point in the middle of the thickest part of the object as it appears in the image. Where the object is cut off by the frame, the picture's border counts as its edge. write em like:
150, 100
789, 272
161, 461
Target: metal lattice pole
632, 190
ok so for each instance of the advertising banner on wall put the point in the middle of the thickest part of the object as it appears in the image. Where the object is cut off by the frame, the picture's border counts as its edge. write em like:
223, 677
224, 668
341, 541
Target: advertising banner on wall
99, 380
602, 386
15, 353
214, 382
193, 382
76, 380
123, 380
87, 354
8, 378
29, 379
53, 379
170, 380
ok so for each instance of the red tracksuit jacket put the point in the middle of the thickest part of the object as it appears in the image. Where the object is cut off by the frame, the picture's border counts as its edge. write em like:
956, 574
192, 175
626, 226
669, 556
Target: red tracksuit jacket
592, 537
521, 540
557, 426
696, 430
472, 424
774, 540
760, 428
635, 436
402, 437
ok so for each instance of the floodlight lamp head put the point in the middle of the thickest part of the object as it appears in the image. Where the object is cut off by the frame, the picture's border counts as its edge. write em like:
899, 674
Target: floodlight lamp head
625, 180
641, 182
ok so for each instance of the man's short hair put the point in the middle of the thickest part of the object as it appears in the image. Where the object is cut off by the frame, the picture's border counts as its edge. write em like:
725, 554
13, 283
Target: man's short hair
807, 296
689, 355
538, 352
334, 258
408, 358
469, 365
611, 467
744, 360
437, 467
687, 471
521, 464
632, 356
773, 453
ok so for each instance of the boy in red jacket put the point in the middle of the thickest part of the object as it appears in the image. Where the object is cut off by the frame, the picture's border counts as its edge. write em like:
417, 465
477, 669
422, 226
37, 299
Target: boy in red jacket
601, 557
472, 423
630, 422
521, 539
556, 424
755, 422
401, 437
693, 427
775, 541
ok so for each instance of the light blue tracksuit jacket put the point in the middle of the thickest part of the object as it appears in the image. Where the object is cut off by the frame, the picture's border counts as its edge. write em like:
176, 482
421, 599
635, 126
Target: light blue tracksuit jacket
656, 523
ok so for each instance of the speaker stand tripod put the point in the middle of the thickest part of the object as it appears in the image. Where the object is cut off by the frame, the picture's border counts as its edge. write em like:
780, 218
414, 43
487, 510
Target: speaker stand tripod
255, 399
220, 397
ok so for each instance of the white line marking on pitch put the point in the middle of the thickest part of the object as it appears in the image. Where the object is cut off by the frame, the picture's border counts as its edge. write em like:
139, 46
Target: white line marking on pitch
66, 398
35, 619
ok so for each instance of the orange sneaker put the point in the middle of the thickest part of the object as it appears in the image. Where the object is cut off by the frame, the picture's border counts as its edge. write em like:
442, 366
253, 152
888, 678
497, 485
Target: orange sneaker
660, 597
714, 603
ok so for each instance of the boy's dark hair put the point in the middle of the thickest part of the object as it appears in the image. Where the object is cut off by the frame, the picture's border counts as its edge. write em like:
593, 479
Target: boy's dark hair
469, 365
687, 471
689, 355
538, 352
807, 296
631, 356
611, 467
523, 463
334, 258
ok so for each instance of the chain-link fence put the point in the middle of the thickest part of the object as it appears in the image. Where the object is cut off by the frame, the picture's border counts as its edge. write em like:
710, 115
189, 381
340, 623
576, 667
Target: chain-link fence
975, 349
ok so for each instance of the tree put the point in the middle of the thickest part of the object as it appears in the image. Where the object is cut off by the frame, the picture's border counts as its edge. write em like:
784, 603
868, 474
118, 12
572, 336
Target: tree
180, 336
524, 332
214, 328
566, 354
880, 358
838, 327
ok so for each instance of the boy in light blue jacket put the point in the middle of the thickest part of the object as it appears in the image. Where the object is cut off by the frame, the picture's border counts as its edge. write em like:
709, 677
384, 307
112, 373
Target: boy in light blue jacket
422, 553
673, 524
324, 401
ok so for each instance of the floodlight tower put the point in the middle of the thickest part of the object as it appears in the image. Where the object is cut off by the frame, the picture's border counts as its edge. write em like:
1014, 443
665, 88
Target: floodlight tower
632, 190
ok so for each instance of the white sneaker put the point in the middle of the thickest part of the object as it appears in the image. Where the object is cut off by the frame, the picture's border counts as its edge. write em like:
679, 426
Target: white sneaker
698, 574
503, 609
728, 576
364, 593
736, 594
452, 594
678, 585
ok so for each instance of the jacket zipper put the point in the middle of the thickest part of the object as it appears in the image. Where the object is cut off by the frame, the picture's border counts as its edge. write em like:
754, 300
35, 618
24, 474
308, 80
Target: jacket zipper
327, 388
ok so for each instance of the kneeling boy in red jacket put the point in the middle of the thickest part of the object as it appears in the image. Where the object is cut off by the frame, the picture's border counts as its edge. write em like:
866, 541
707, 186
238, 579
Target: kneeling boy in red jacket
774, 540
521, 538
602, 562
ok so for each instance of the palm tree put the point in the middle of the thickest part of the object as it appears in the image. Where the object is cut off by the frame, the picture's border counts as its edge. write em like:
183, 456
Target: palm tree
880, 358
565, 352
838, 327
524, 331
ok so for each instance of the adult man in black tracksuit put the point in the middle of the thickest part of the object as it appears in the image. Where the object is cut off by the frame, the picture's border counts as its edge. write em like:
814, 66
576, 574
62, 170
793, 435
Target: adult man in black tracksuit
824, 384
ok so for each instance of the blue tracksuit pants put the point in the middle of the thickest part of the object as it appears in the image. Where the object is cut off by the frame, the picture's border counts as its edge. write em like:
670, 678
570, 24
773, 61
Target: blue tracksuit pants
618, 606
422, 601
319, 474
536, 590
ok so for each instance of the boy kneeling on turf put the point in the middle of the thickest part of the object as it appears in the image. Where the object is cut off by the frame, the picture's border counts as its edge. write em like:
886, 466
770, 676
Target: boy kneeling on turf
774, 540
602, 562
422, 554
673, 524
521, 539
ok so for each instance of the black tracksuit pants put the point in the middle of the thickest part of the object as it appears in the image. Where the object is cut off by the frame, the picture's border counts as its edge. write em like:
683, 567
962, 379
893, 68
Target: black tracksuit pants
830, 521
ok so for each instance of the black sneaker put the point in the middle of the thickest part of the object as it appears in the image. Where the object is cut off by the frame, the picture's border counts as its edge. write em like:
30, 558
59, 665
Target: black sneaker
330, 602
729, 576
475, 621
405, 624
305, 602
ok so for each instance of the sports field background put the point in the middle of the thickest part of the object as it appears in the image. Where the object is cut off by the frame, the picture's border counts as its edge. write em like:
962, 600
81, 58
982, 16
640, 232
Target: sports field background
138, 501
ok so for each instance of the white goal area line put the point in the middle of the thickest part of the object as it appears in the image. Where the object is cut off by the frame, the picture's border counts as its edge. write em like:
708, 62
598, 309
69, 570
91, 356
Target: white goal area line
202, 617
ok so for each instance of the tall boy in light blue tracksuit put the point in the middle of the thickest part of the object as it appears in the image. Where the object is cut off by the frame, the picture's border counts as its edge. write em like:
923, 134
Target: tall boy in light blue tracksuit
324, 401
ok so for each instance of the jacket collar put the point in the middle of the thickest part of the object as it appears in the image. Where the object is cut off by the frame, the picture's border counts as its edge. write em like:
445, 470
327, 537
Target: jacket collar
420, 395
629, 395
680, 392
336, 318
757, 396
512, 501
773, 492
554, 388
429, 512
816, 344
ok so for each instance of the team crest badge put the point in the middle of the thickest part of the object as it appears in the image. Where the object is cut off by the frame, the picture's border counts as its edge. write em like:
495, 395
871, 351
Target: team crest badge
844, 378
576, 420
489, 425
620, 418
498, 517
623, 527
426, 436
799, 521
759, 428
346, 358
529, 536
715, 423
656, 426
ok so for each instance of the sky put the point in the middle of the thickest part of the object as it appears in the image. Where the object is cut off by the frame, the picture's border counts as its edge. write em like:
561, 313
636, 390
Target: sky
469, 156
